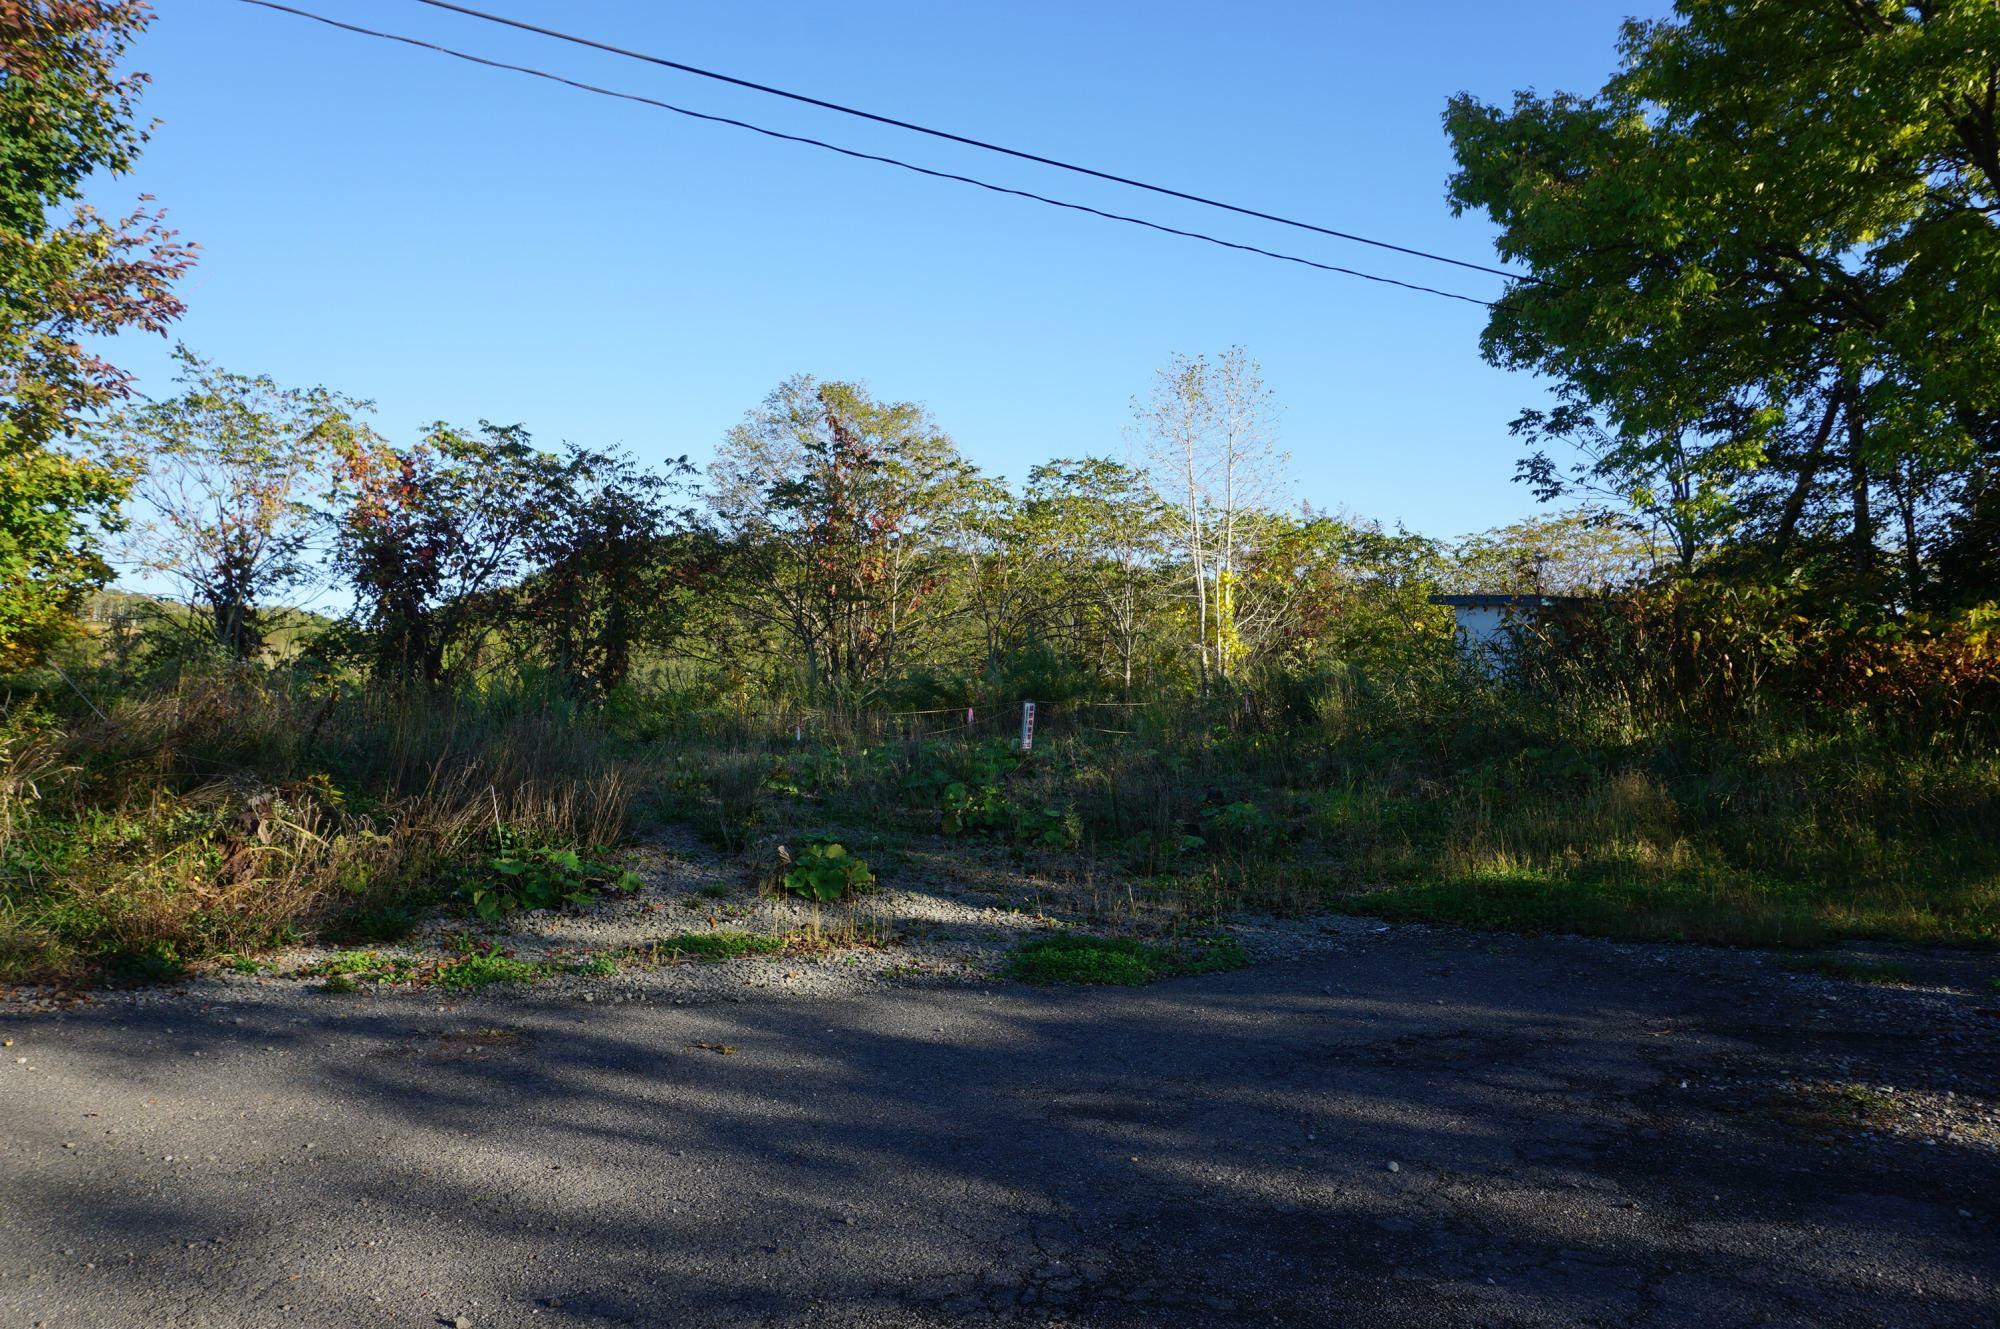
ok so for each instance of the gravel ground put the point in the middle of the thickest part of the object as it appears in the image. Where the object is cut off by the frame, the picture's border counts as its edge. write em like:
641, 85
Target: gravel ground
948, 915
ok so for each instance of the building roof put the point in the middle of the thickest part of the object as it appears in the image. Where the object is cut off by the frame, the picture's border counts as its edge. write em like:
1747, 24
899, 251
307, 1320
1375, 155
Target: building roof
1509, 601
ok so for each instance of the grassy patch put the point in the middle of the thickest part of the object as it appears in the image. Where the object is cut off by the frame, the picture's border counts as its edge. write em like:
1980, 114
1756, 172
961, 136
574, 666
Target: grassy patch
1617, 897
1844, 967
1829, 1109
472, 967
1622, 905
364, 967
1120, 961
484, 968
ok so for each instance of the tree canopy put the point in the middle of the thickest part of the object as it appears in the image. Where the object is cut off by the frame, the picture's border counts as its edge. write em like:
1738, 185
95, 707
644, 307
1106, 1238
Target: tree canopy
68, 275
1764, 270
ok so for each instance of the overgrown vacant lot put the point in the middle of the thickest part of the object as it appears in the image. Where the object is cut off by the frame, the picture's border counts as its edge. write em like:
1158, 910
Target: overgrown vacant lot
235, 814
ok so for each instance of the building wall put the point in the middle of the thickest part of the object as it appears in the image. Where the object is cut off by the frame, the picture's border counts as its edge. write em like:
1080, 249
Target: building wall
1485, 626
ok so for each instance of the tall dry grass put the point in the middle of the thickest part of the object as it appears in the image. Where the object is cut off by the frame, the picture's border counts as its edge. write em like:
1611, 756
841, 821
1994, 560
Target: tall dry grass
239, 809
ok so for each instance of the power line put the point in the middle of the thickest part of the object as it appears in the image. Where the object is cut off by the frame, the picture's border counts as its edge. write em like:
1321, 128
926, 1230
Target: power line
865, 156
970, 142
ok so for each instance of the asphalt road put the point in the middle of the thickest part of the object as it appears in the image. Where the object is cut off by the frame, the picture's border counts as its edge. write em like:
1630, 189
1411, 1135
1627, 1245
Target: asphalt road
1428, 1129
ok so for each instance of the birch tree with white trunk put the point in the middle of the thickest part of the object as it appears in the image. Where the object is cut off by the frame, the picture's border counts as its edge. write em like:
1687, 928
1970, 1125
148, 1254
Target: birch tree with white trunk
1211, 444
1176, 426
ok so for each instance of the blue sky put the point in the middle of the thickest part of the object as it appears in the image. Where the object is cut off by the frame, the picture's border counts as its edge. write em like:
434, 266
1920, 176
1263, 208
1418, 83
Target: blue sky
461, 243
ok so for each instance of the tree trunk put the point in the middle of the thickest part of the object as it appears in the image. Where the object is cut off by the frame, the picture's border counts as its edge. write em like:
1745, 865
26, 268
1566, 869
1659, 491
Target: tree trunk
1906, 503
1857, 466
1795, 502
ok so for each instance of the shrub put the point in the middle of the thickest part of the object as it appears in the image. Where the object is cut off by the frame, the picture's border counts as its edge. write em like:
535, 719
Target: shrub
541, 878
1048, 828
1240, 823
824, 872
962, 807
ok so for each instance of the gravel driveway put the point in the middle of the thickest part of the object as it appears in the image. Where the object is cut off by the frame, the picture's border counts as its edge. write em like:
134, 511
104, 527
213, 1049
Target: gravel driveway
1410, 1127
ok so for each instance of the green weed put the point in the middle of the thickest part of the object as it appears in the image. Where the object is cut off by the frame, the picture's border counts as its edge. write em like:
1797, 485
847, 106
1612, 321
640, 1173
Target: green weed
537, 877
1120, 961
714, 946
479, 968
824, 872
1856, 971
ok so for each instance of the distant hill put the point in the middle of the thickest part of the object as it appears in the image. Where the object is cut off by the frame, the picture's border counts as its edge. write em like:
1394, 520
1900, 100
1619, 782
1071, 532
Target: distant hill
284, 627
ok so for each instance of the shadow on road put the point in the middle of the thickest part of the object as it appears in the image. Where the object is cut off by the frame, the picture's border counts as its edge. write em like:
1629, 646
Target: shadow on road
1353, 1140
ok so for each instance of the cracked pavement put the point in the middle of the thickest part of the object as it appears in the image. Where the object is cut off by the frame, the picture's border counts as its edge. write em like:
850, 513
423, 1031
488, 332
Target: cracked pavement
1422, 1128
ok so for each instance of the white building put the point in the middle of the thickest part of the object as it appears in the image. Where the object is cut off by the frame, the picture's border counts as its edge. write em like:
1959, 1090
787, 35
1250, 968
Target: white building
1486, 624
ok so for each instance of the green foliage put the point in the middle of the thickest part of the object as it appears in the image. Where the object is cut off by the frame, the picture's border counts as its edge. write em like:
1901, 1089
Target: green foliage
824, 872
471, 965
1589, 550
537, 877
233, 463
1319, 590
613, 566
479, 967
1048, 828
987, 809
145, 961
737, 784
429, 535
1852, 970
978, 803
69, 277
358, 967
237, 812
1240, 823
835, 506
1726, 655
964, 808
1120, 961
1775, 218
721, 944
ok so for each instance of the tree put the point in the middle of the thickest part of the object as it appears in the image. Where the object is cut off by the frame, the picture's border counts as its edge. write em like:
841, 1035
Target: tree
614, 564
1680, 484
1777, 232
1248, 470
1176, 423
67, 276
1320, 589
1210, 435
840, 512
233, 464
1581, 552
433, 537
1004, 584
1100, 539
